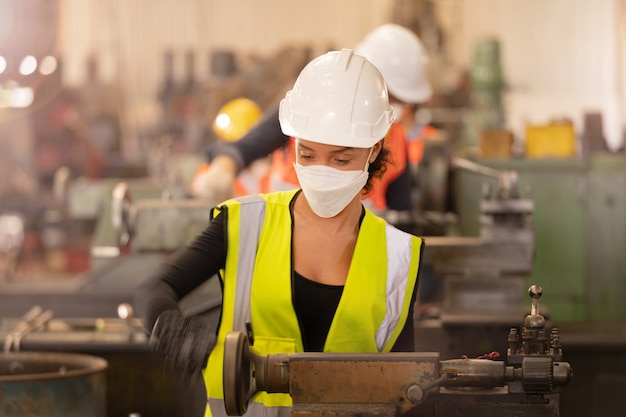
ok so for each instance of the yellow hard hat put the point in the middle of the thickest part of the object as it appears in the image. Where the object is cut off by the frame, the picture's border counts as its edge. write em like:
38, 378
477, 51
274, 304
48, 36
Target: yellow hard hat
235, 118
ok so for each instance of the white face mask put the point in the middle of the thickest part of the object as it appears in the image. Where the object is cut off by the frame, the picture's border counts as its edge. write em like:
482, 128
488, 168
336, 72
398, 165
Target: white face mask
329, 190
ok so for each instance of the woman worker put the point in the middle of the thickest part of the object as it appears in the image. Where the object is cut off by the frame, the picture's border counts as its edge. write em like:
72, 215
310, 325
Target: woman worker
308, 269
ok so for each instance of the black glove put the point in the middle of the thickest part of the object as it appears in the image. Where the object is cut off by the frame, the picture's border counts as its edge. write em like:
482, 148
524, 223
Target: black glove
183, 342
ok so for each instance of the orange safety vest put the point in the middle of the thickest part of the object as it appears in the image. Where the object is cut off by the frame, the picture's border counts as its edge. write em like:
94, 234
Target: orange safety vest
416, 143
282, 176
397, 144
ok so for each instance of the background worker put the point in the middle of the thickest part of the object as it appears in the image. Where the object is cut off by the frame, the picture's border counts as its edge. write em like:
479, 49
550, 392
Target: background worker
400, 56
234, 119
309, 269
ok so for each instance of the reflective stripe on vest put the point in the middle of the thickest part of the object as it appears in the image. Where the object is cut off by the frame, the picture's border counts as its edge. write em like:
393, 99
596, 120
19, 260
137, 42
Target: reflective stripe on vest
275, 327
251, 220
398, 269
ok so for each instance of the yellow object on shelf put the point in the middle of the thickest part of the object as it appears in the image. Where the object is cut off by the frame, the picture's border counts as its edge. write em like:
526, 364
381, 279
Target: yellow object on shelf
496, 143
556, 140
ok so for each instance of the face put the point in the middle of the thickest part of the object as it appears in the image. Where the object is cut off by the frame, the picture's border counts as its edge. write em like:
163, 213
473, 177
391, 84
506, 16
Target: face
339, 157
403, 112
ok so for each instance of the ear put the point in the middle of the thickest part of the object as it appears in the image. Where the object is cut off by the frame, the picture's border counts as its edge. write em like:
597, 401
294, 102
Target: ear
375, 151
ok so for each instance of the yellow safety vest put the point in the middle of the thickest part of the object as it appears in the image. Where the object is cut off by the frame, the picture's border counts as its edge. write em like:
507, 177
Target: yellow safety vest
257, 289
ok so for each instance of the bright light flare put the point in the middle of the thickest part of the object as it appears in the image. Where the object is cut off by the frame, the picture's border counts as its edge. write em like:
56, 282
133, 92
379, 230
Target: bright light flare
12, 96
48, 65
28, 65
22, 97
222, 121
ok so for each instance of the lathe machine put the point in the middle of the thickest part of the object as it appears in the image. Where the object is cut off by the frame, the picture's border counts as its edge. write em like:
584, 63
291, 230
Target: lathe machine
412, 384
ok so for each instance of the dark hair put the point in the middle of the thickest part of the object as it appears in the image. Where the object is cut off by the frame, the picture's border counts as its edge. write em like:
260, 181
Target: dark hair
377, 168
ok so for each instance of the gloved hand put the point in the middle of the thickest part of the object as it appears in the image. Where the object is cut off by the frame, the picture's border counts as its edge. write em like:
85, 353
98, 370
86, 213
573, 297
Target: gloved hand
215, 180
183, 342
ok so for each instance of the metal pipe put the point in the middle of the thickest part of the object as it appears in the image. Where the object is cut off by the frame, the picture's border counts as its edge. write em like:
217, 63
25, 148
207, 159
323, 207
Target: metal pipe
474, 167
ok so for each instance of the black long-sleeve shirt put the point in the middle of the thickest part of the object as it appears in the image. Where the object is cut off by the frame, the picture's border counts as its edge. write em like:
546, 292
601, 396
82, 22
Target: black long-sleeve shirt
315, 304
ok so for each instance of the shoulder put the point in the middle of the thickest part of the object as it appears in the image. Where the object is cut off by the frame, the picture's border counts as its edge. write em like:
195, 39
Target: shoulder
269, 200
280, 197
377, 221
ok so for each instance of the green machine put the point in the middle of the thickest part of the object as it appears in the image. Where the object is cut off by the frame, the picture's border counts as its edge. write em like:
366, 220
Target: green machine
579, 224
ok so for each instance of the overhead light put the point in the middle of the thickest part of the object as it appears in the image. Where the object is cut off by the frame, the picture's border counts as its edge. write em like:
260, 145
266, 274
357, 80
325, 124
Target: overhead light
222, 121
28, 65
3, 64
22, 97
48, 65
14, 96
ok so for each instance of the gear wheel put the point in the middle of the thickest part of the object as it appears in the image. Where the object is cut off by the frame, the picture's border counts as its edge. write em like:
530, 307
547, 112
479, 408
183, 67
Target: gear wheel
537, 375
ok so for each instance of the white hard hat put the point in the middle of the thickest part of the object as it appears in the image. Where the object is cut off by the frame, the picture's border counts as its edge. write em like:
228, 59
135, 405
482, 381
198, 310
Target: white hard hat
340, 99
400, 56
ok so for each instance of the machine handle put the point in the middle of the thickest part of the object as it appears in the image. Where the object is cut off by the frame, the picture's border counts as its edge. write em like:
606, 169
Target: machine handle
120, 214
416, 392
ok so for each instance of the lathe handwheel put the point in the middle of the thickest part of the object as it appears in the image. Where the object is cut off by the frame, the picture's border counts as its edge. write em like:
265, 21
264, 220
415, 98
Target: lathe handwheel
236, 373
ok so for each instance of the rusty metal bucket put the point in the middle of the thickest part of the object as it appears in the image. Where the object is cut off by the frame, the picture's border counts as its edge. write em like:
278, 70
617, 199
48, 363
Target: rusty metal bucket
51, 384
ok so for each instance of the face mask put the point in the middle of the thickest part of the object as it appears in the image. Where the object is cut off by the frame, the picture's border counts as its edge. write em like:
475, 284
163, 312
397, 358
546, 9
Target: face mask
329, 190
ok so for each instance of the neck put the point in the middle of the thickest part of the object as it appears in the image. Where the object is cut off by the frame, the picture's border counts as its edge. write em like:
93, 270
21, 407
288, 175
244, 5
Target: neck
347, 218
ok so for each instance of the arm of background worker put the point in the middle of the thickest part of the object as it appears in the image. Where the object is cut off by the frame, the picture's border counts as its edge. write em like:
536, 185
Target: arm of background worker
215, 180
260, 141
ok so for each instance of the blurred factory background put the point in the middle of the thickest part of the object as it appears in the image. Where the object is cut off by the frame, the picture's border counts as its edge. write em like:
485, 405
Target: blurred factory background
106, 109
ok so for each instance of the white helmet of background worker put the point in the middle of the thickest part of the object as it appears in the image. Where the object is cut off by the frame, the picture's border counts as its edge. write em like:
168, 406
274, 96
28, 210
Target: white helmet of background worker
339, 99
401, 57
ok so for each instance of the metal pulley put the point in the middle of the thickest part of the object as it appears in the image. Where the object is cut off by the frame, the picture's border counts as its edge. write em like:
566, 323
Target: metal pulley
157, 224
241, 366
237, 368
